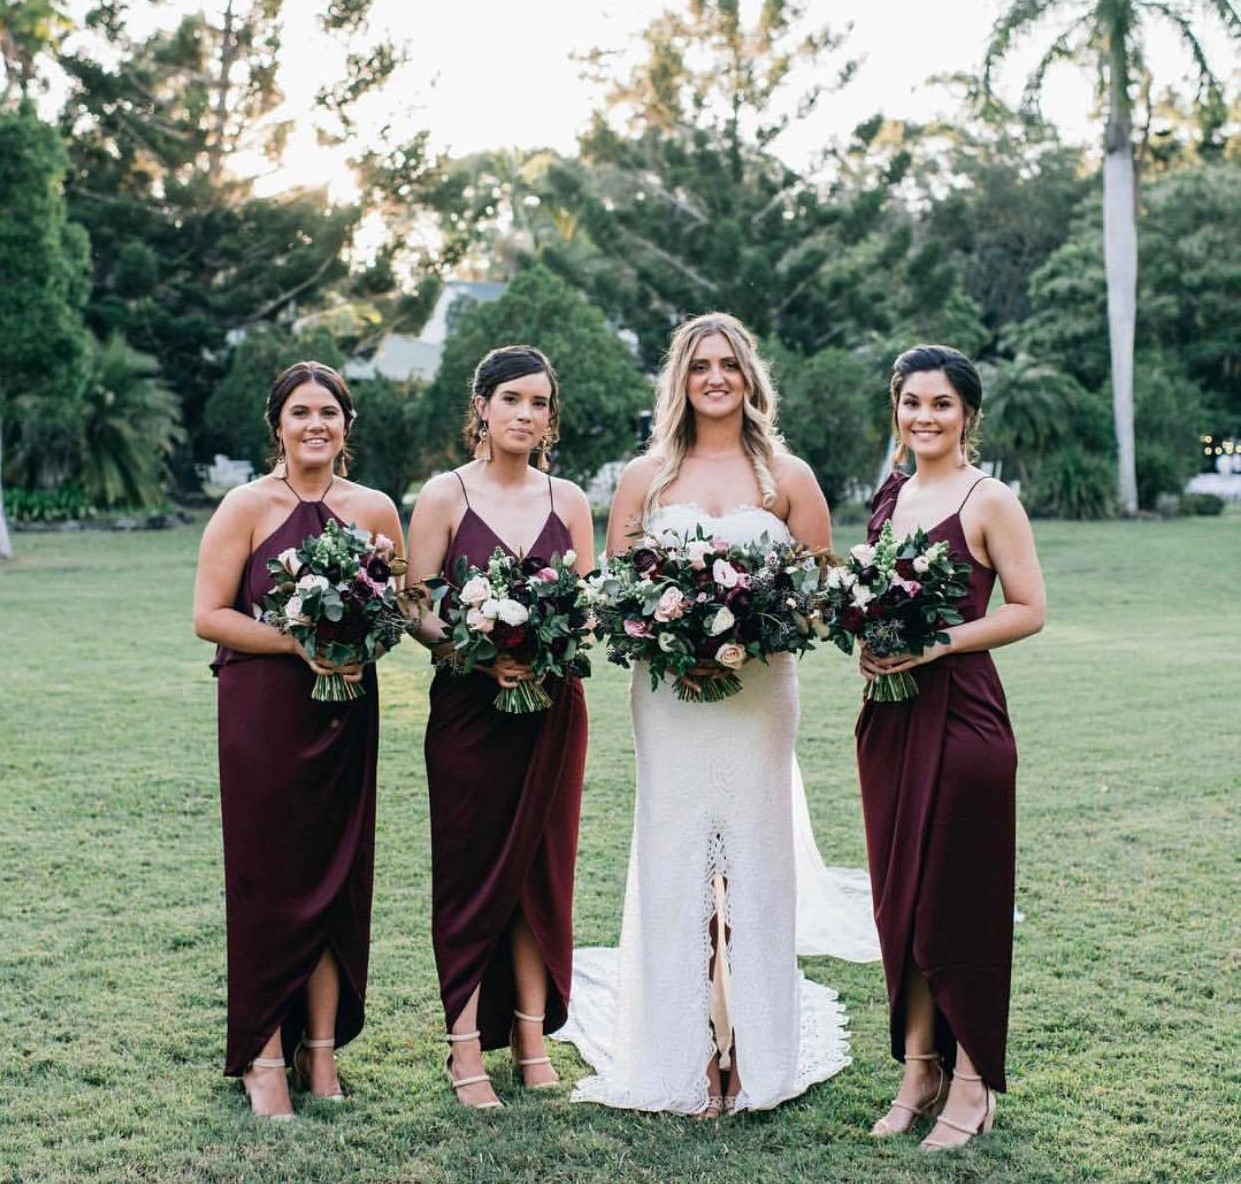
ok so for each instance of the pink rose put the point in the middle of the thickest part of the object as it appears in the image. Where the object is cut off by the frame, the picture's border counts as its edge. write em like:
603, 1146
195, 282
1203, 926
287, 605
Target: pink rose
724, 573
547, 575
671, 605
637, 628
731, 654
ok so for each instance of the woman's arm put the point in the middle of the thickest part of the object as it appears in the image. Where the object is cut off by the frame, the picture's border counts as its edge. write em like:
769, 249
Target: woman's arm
809, 520
1009, 544
625, 517
222, 556
430, 534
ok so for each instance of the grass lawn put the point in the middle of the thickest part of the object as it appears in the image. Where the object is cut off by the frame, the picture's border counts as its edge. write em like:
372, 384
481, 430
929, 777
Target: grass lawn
1124, 1046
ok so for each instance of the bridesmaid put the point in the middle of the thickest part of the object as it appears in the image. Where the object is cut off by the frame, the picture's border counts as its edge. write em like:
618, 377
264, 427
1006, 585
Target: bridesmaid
297, 778
938, 772
505, 790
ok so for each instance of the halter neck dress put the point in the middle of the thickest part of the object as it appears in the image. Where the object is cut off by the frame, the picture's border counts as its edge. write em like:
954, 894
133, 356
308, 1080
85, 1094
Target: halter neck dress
938, 779
505, 795
297, 801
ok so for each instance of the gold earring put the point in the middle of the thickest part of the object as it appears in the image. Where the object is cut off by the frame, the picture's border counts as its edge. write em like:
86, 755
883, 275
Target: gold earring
484, 440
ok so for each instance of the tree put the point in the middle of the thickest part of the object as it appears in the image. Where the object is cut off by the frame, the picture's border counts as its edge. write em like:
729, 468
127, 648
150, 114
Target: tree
130, 424
1109, 35
43, 343
186, 257
28, 29
602, 388
833, 414
1185, 369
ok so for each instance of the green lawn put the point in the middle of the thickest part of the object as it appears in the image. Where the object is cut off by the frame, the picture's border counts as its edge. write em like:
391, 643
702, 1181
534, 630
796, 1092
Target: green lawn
1124, 1051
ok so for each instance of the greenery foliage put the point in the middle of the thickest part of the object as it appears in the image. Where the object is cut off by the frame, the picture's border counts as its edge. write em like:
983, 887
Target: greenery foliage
130, 423
983, 232
44, 347
385, 440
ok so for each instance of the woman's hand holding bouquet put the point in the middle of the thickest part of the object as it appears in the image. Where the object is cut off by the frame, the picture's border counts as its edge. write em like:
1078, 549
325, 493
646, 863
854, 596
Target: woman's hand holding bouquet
697, 609
336, 596
894, 597
524, 619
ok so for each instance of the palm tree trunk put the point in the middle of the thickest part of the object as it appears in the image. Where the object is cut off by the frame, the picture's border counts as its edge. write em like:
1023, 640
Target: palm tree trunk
6, 543
1120, 261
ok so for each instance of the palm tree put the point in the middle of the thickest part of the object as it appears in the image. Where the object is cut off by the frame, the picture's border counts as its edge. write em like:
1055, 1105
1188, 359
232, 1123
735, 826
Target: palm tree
130, 424
1108, 35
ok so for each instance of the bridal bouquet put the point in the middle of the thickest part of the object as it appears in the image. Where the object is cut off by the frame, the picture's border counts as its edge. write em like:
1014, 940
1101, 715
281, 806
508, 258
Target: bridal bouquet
893, 597
684, 604
535, 610
336, 594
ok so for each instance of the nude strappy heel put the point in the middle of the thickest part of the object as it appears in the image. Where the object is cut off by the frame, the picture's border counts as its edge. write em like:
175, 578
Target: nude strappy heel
461, 1082
883, 1129
983, 1128
301, 1074
264, 1063
520, 1063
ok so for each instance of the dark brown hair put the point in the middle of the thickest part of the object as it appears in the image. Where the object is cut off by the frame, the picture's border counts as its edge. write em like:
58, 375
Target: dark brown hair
287, 381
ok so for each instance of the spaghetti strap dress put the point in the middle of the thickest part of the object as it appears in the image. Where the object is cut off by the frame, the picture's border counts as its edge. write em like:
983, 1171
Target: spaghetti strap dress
938, 780
505, 797
297, 802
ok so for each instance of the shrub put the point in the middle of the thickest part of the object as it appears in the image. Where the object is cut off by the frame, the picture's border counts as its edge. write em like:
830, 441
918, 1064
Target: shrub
1072, 483
1207, 504
62, 504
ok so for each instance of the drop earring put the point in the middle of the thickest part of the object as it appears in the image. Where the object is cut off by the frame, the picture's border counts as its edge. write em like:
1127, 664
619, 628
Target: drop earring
484, 441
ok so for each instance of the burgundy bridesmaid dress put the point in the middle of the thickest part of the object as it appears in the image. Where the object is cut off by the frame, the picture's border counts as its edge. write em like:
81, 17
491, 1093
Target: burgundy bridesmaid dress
938, 777
505, 795
297, 798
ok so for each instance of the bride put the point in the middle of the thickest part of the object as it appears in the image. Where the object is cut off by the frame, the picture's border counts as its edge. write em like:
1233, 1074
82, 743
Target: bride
721, 833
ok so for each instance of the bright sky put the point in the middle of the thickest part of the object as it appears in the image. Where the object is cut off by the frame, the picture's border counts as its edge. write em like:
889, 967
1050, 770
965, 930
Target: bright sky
500, 73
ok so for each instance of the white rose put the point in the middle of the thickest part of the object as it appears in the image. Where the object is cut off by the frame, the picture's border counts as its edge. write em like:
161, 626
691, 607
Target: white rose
289, 561
569, 558
478, 622
476, 590
512, 613
722, 620
862, 595
293, 612
310, 583
724, 573
864, 553
490, 608
697, 552
921, 564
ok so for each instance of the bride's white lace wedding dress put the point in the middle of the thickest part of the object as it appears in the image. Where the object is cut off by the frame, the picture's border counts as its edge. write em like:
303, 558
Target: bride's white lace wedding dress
718, 794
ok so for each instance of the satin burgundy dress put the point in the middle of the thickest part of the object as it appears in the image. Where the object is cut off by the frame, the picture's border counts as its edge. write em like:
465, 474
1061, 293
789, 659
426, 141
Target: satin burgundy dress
938, 777
505, 795
297, 799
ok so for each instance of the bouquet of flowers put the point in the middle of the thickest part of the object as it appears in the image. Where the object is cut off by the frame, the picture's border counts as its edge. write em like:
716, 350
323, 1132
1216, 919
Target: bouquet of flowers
681, 603
533, 609
893, 597
336, 594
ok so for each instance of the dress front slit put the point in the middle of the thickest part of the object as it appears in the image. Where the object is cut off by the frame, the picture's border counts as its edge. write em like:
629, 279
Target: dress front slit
505, 795
297, 802
938, 782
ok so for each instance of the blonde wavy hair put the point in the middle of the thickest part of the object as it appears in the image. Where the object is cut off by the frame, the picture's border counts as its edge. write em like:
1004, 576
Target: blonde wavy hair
672, 433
